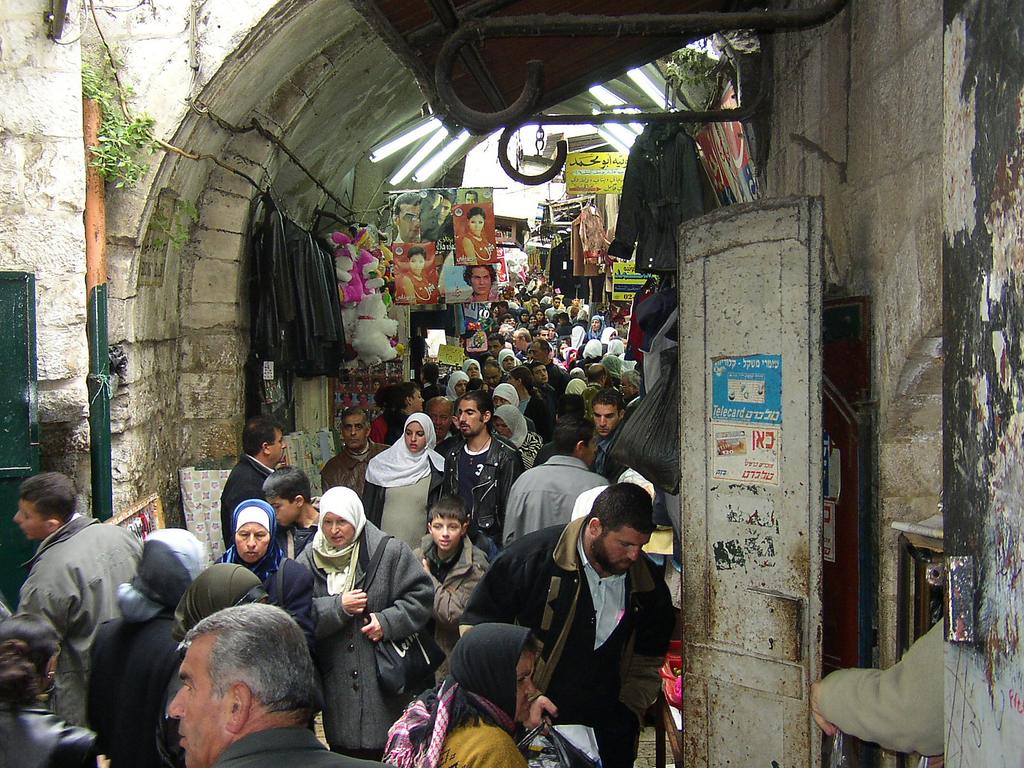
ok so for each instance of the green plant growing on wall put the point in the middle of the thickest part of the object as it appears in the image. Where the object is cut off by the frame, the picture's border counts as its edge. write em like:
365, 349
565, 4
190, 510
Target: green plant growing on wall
699, 79
123, 140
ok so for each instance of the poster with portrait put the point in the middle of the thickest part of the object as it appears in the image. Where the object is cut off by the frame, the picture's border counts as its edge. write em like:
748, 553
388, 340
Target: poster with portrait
473, 225
415, 272
436, 214
472, 283
406, 216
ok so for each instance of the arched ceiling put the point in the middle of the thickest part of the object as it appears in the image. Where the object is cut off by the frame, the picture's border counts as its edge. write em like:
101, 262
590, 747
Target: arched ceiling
330, 84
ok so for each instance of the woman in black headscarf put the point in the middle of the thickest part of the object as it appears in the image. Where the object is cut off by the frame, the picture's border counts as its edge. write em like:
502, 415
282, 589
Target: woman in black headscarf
135, 656
469, 718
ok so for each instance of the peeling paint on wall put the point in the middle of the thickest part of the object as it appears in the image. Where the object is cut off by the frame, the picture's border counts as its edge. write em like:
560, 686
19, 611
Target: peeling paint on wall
958, 127
983, 276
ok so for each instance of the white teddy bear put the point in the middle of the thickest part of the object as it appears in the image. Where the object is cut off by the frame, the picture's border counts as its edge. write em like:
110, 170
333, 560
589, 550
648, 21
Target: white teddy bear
370, 329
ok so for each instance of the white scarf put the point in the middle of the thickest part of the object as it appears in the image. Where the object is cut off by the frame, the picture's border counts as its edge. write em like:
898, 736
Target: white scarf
339, 564
398, 466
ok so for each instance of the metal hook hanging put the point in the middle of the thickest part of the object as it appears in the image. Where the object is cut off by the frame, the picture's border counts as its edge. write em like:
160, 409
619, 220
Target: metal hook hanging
561, 153
571, 25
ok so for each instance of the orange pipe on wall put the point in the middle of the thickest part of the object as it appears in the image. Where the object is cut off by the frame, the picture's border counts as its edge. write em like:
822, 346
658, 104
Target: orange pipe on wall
95, 202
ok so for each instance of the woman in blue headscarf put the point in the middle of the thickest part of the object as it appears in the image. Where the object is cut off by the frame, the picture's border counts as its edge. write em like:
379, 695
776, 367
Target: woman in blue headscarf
596, 328
289, 585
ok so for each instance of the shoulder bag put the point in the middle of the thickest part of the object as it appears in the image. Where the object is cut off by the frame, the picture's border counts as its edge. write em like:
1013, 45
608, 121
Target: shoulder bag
403, 665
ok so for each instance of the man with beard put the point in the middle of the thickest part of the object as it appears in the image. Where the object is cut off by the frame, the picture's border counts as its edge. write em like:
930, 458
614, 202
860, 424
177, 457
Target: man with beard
480, 470
601, 612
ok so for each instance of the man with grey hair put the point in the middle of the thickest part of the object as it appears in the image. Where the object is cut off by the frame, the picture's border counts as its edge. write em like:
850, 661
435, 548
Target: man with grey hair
629, 384
248, 693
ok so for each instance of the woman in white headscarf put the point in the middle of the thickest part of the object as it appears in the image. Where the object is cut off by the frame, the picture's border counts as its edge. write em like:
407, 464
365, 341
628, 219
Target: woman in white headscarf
507, 361
404, 481
471, 368
617, 347
511, 425
505, 394
456, 385
353, 616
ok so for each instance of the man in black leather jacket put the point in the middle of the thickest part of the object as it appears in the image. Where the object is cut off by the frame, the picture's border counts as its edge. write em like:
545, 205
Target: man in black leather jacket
480, 469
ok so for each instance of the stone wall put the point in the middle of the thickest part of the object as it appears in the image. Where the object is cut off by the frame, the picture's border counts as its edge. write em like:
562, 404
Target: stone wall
290, 66
42, 194
857, 118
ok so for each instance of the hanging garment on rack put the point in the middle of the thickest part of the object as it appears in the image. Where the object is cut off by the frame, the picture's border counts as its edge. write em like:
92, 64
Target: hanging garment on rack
296, 310
661, 189
588, 243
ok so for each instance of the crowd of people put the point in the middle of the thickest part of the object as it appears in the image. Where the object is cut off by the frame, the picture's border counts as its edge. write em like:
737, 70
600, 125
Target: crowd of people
456, 511
488, 510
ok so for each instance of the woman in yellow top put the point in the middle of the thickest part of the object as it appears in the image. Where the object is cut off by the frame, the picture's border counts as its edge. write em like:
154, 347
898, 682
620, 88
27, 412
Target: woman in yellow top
475, 247
467, 721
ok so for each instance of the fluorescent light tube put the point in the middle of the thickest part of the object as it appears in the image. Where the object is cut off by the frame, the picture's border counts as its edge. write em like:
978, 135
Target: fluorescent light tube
433, 165
420, 155
645, 84
606, 97
404, 139
611, 139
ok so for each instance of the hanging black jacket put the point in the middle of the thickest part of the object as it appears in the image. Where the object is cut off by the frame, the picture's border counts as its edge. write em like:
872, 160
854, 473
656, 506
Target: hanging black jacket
661, 189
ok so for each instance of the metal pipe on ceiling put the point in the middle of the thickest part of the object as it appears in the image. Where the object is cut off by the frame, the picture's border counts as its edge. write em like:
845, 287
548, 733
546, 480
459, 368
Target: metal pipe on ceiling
570, 25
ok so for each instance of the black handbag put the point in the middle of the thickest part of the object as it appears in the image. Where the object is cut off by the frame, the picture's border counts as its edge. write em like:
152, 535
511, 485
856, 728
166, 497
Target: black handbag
547, 739
405, 665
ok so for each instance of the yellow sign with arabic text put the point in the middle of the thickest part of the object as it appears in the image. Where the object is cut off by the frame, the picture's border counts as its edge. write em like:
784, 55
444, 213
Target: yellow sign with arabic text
626, 280
595, 173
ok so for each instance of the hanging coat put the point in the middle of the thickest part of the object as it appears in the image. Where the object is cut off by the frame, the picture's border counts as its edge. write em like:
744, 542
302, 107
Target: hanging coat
661, 189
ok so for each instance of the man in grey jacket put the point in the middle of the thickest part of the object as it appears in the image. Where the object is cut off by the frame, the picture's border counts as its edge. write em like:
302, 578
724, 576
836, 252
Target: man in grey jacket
73, 579
545, 495
249, 694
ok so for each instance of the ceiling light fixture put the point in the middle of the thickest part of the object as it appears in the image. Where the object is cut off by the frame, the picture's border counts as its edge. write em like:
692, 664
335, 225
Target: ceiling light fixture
615, 142
645, 84
419, 156
606, 97
432, 166
417, 131
622, 133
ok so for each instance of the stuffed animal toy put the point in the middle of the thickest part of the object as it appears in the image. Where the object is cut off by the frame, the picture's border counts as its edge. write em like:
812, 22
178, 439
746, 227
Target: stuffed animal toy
373, 331
355, 266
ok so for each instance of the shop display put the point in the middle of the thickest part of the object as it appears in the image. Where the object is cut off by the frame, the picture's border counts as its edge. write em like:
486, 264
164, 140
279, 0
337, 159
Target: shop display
357, 386
200, 503
309, 451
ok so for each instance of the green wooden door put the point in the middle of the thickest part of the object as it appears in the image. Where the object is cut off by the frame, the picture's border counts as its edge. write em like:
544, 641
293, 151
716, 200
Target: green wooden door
19, 423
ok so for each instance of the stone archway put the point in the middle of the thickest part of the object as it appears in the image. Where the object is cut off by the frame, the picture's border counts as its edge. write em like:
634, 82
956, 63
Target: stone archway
312, 74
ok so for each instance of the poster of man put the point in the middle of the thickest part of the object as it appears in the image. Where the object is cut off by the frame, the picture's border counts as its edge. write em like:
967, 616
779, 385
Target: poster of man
472, 283
436, 214
415, 274
406, 212
473, 224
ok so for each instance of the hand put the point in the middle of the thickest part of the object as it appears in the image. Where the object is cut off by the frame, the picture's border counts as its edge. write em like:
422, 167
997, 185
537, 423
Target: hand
353, 602
540, 707
373, 630
828, 728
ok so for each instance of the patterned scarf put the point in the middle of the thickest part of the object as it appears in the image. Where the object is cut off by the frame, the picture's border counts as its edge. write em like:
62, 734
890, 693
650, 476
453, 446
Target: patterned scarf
404, 752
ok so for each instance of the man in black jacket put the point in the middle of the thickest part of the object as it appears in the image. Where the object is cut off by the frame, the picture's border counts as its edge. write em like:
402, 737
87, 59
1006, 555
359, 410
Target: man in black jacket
600, 611
263, 449
480, 469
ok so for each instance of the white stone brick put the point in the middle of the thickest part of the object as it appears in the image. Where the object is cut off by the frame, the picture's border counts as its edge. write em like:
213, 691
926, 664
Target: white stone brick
218, 245
48, 104
62, 352
212, 315
210, 395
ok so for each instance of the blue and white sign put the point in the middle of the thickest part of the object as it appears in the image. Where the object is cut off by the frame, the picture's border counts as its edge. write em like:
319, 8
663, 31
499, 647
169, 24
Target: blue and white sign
747, 389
